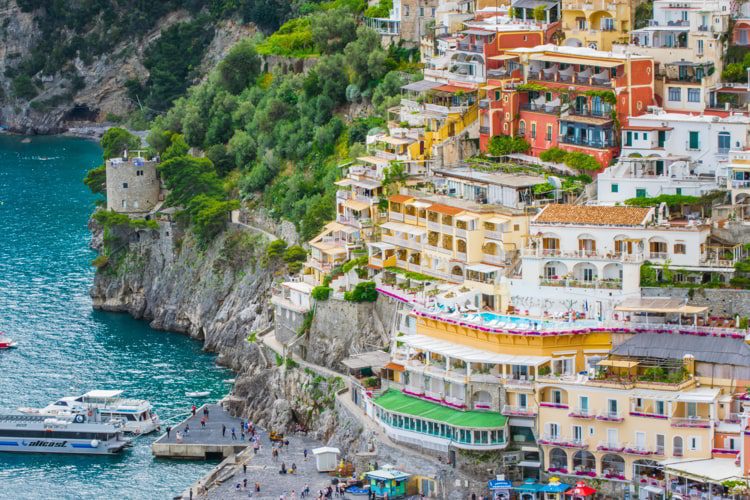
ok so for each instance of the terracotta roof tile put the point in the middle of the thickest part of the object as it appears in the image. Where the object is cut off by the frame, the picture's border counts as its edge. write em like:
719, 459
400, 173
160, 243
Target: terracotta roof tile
400, 198
594, 215
445, 209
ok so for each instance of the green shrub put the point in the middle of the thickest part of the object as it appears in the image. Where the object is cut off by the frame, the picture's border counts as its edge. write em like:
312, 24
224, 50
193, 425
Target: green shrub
23, 87
554, 155
116, 140
276, 249
321, 292
295, 253
501, 145
581, 161
362, 292
96, 180
100, 261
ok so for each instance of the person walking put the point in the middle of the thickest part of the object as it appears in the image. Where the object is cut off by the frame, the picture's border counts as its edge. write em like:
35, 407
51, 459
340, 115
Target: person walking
193, 409
169, 429
234, 435
223, 430
242, 435
256, 446
205, 412
244, 467
203, 422
244, 484
306, 491
257, 487
187, 429
304, 452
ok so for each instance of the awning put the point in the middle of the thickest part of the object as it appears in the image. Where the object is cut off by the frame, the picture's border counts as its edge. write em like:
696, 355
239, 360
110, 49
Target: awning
381, 245
483, 268
714, 470
477, 32
503, 57
395, 141
497, 220
452, 89
404, 228
653, 394
395, 367
659, 305
654, 489
372, 359
356, 205
530, 463
445, 209
492, 87
617, 363
373, 159
399, 198
344, 182
366, 183
469, 354
702, 395
467, 217
421, 85
576, 60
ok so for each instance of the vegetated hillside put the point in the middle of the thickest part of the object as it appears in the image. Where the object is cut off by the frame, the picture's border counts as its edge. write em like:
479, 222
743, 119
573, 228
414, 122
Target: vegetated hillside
277, 139
114, 59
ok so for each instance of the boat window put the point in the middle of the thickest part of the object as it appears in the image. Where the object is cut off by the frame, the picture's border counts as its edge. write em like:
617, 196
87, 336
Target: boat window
61, 403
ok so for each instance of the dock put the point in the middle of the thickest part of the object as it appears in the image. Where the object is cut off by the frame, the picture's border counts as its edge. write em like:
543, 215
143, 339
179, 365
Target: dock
202, 443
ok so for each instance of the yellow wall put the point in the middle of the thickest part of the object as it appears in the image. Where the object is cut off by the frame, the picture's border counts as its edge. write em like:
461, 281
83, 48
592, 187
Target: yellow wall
623, 14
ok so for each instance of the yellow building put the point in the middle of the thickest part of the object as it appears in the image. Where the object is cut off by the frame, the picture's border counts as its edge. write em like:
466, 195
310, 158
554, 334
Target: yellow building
597, 24
451, 239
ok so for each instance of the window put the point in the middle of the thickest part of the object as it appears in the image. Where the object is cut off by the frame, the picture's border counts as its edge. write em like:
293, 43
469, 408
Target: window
557, 397
124, 185
725, 141
554, 430
680, 248
432, 12
421, 12
522, 400
406, 10
677, 446
516, 227
615, 188
577, 433
693, 141
612, 406
533, 130
659, 405
583, 403
675, 94
660, 444
549, 133
635, 136
645, 136
678, 190
522, 128
700, 46
640, 193
694, 95
694, 443
608, 24
628, 138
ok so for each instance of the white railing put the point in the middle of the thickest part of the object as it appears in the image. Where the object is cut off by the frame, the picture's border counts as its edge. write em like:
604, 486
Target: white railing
519, 411
396, 216
493, 259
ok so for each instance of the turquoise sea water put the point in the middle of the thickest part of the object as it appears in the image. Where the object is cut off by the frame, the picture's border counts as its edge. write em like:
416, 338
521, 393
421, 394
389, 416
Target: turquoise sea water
65, 347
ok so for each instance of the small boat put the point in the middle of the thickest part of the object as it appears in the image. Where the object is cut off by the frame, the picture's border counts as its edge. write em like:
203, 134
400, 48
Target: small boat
6, 343
198, 394
229, 381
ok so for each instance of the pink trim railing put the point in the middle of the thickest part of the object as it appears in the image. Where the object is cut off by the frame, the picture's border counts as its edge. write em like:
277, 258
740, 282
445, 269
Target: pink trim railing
647, 415
433, 399
547, 404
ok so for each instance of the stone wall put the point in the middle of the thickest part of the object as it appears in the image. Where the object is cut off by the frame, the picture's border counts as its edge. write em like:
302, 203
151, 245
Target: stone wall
131, 188
720, 301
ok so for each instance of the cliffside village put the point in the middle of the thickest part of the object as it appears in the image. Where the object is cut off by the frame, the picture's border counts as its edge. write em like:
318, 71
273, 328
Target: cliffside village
539, 317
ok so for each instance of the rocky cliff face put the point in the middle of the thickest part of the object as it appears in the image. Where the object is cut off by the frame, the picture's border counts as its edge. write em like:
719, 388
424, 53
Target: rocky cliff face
102, 91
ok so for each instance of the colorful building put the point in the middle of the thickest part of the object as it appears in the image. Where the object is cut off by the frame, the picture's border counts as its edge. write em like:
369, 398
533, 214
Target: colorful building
567, 97
597, 24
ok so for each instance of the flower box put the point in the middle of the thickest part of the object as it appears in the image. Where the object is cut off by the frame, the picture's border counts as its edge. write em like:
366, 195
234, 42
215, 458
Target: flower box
647, 415
553, 405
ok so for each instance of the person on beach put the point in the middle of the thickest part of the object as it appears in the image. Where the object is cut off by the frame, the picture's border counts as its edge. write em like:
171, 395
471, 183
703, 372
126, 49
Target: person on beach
283, 468
256, 446
244, 484
242, 435
294, 468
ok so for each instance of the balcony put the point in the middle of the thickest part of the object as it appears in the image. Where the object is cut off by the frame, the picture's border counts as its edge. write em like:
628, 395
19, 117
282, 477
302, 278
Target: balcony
484, 104
611, 446
396, 216
691, 422
550, 404
735, 184
563, 442
588, 143
642, 450
586, 111
471, 47
518, 411
498, 260
343, 195
441, 250
636, 413
658, 255
612, 284
583, 413
484, 130
610, 416
402, 242
541, 108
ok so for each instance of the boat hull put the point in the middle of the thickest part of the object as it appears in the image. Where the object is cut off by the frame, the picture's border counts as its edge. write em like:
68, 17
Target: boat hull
65, 447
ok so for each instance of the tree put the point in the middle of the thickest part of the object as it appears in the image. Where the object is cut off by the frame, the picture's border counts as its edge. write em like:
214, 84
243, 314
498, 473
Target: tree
276, 249
243, 148
363, 292
554, 155
23, 87
209, 216
364, 57
116, 140
239, 68
539, 13
96, 180
581, 161
178, 147
332, 30
220, 157
502, 145
187, 177
295, 253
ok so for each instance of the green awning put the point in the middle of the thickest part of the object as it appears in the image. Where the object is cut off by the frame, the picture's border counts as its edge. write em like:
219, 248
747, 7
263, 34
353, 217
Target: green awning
397, 402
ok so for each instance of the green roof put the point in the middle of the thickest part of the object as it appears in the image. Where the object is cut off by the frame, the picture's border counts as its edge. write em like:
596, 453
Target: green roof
397, 402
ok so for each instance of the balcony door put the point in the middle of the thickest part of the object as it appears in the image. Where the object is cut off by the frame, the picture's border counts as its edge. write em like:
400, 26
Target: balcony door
640, 440
612, 438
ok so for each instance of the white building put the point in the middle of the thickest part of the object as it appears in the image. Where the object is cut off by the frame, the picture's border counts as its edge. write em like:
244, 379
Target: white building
589, 257
512, 190
702, 140
650, 177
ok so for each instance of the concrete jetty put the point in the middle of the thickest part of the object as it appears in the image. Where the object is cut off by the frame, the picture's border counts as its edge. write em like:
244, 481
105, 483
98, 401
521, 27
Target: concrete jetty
199, 442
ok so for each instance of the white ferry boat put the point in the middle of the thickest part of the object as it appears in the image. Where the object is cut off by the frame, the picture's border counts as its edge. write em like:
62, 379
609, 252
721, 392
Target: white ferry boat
61, 434
137, 414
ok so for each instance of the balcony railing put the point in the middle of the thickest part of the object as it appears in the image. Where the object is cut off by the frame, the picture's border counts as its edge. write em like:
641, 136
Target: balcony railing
396, 216
518, 411
611, 446
541, 108
584, 413
564, 442
658, 255
691, 422
610, 416
493, 259
581, 254
589, 143
740, 184
613, 284
471, 47
550, 404
484, 104
484, 130
642, 450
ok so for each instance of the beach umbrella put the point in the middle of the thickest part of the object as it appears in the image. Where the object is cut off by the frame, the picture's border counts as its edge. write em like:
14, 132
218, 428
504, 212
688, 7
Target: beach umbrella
581, 489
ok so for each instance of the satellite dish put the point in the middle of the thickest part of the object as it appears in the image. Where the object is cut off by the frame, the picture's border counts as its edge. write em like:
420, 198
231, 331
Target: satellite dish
555, 182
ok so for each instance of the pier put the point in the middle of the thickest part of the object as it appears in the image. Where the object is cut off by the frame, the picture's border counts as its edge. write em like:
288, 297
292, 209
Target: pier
202, 443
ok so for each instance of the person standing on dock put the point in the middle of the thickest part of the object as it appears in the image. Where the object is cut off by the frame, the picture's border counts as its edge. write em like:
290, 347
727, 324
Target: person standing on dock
193, 409
203, 422
205, 412
169, 429
223, 430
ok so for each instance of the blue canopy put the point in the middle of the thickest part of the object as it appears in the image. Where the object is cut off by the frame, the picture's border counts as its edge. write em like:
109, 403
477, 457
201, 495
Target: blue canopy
555, 488
529, 486
496, 484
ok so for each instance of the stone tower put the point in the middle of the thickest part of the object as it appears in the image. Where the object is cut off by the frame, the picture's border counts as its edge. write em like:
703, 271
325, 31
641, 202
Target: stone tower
132, 184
